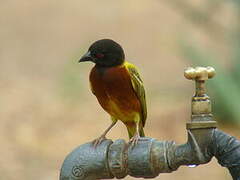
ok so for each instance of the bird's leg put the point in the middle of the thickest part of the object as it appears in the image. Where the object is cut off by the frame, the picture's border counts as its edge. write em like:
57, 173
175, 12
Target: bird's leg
134, 140
103, 136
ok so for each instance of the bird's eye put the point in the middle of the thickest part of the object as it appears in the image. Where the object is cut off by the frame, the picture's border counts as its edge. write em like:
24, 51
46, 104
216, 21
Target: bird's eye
99, 55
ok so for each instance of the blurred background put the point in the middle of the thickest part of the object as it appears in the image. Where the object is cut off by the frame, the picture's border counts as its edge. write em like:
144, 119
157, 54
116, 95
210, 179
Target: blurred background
46, 107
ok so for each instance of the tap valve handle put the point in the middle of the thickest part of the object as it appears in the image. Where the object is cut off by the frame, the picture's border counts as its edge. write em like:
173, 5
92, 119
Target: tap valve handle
201, 104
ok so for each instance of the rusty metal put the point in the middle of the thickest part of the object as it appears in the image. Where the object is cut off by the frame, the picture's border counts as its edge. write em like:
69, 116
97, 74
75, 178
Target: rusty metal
151, 157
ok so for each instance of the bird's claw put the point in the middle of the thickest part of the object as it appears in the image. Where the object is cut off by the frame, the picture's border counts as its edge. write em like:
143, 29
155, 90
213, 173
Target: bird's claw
98, 141
134, 140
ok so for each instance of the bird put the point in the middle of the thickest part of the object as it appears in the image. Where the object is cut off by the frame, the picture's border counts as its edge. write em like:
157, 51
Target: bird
118, 88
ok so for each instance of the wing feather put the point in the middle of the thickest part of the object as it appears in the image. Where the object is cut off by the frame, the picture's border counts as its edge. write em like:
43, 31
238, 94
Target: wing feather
138, 87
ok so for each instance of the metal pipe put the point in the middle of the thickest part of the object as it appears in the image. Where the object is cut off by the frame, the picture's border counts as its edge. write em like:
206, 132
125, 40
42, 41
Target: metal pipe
151, 157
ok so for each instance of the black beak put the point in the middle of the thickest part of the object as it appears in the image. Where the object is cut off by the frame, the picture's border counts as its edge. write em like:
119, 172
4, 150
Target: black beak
86, 57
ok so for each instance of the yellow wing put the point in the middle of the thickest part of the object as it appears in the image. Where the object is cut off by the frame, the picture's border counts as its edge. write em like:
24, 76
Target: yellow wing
138, 87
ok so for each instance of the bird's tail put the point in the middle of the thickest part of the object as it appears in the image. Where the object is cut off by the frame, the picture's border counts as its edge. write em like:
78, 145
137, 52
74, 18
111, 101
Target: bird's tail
132, 131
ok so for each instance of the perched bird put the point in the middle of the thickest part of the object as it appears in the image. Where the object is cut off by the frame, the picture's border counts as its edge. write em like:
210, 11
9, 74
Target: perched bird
118, 88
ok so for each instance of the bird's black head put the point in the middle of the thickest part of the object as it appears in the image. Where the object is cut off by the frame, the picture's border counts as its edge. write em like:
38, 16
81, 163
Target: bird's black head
105, 52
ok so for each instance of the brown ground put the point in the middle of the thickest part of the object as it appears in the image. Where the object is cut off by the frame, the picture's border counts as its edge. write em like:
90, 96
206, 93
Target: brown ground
46, 108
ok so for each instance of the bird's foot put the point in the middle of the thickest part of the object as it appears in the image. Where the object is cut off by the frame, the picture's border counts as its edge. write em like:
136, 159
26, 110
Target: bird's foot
98, 141
134, 140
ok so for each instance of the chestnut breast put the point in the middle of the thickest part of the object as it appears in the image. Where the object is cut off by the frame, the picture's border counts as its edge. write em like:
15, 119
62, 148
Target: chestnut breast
112, 85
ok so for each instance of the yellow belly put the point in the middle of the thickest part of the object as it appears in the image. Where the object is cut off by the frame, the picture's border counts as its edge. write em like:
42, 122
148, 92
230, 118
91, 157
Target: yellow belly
117, 113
